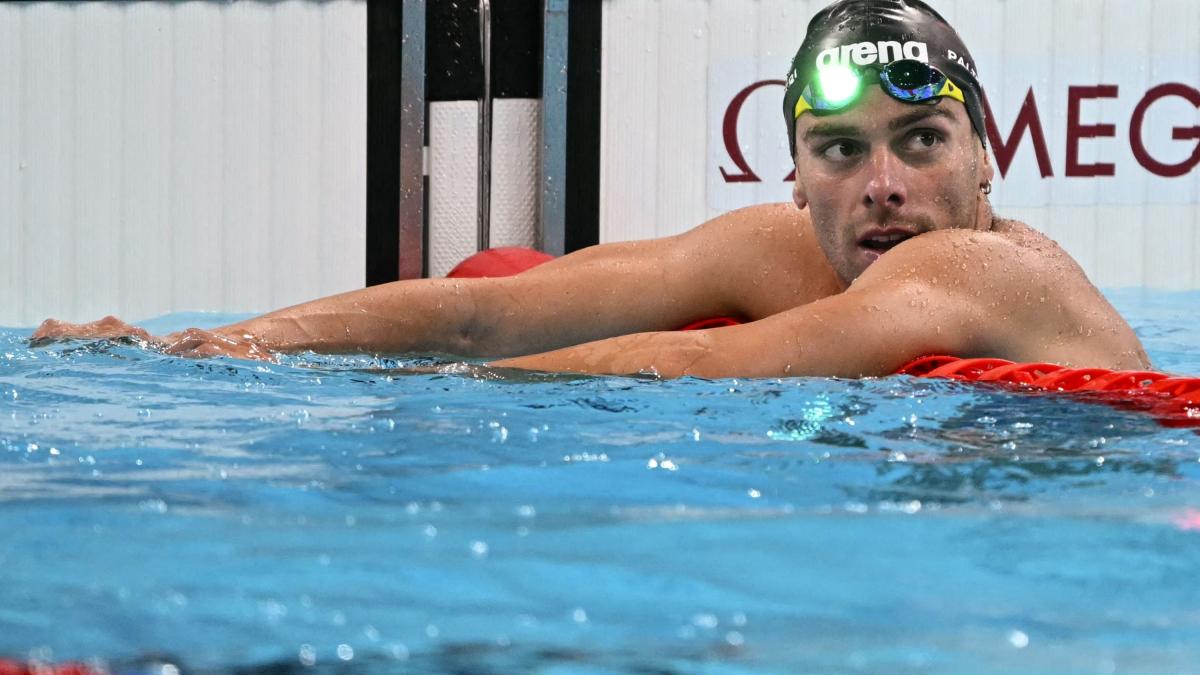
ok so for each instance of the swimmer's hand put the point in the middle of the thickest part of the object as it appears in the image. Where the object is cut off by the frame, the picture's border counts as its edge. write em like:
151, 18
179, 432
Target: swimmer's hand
192, 343
108, 328
200, 343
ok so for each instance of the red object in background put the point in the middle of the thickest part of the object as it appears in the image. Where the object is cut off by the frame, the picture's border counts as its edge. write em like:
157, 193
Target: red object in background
715, 322
499, 262
505, 262
9, 667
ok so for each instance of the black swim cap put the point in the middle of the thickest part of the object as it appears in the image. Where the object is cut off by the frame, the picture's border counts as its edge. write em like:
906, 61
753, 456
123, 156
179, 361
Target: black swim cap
867, 32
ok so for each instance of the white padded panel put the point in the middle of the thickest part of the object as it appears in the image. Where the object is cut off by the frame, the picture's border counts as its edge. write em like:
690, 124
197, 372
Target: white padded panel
454, 171
453, 186
516, 133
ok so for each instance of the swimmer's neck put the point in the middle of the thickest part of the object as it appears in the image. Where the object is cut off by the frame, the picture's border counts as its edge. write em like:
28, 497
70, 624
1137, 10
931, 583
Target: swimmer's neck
985, 218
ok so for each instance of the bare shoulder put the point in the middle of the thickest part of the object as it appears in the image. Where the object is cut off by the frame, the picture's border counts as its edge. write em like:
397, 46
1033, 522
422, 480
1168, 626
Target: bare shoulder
1013, 253
997, 266
1034, 300
766, 255
761, 221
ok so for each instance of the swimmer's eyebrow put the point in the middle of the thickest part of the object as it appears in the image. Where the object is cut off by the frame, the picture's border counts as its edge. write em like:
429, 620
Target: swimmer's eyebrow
831, 131
922, 114
835, 130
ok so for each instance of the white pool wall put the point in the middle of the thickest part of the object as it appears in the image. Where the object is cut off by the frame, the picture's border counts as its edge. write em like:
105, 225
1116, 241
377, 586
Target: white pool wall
161, 157
672, 67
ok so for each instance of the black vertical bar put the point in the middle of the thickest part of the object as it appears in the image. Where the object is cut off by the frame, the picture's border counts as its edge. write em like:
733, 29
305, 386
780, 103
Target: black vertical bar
452, 55
516, 48
384, 28
583, 125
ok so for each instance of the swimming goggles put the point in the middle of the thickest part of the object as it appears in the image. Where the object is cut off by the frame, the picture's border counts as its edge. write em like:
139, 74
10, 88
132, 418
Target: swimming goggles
836, 87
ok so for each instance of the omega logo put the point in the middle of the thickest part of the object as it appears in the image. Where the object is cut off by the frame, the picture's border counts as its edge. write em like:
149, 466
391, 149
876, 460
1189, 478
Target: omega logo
729, 132
1029, 122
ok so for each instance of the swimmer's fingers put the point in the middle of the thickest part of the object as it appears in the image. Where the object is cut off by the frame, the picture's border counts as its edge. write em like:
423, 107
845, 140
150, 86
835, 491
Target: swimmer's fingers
108, 328
200, 343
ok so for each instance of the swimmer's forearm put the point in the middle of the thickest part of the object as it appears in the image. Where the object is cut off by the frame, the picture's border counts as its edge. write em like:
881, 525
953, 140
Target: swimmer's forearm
852, 335
498, 317
667, 354
427, 315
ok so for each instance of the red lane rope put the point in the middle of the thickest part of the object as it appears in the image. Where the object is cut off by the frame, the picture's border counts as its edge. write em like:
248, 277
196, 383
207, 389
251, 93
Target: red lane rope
11, 667
1175, 400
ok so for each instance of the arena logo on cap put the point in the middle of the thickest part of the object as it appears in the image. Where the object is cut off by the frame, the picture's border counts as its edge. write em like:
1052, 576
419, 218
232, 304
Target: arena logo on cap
867, 53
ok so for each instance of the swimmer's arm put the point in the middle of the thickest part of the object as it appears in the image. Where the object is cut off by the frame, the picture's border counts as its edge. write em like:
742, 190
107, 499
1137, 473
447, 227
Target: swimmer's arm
907, 305
594, 293
863, 332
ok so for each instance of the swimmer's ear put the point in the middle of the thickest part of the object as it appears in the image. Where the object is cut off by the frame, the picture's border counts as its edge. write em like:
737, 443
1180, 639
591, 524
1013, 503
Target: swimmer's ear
799, 194
989, 171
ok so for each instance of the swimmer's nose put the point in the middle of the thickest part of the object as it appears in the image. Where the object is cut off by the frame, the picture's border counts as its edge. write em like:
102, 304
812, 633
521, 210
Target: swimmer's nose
885, 188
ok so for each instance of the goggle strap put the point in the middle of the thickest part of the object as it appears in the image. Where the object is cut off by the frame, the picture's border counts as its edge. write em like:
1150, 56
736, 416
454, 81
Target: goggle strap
948, 89
802, 106
952, 91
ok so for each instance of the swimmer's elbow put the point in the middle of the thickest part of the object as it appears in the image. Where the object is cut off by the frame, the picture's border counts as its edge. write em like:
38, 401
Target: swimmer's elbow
700, 356
470, 332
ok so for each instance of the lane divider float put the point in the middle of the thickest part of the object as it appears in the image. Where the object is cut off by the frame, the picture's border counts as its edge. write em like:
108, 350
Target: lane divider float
1175, 400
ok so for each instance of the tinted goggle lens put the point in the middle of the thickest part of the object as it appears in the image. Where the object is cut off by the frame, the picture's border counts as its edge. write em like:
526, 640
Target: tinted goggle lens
911, 80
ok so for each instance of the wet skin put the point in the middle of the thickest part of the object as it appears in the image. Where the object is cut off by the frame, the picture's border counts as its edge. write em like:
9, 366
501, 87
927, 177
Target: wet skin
893, 194
890, 252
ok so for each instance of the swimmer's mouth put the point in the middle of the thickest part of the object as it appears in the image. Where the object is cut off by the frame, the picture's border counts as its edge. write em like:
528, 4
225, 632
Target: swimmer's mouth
882, 241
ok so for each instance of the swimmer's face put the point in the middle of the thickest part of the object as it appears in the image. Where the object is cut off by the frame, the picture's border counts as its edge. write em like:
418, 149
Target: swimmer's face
883, 171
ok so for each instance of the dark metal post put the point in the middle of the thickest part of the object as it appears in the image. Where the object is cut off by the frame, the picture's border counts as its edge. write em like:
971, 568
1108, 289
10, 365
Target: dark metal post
412, 142
553, 149
485, 128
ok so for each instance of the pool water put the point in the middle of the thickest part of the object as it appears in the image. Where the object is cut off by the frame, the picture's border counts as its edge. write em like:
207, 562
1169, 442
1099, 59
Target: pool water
339, 514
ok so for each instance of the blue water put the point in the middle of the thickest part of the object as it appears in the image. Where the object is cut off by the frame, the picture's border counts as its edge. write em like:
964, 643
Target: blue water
220, 514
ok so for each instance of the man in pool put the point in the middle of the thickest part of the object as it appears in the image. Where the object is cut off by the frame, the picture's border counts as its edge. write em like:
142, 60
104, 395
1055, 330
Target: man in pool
889, 252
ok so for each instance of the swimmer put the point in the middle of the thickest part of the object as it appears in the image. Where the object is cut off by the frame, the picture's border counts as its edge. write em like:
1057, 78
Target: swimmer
889, 252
